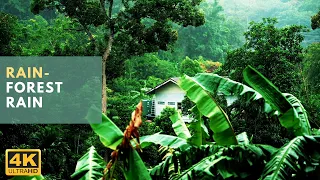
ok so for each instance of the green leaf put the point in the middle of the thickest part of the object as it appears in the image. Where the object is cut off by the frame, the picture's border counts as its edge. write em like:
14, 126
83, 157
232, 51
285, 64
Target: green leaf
243, 161
216, 84
136, 168
110, 135
292, 157
198, 129
164, 168
206, 166
238, 161
243, 138
300, 124
179, 126
218, 120
315, 132
292, 113
269, 91
89, 166
38, 177
270, 150
179, 161
164, 140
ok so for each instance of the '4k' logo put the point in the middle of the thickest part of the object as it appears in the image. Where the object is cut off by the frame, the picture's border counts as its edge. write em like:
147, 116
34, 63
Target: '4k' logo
23, 162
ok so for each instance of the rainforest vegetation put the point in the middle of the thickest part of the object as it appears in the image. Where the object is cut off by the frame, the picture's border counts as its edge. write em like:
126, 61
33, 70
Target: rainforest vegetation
250, 70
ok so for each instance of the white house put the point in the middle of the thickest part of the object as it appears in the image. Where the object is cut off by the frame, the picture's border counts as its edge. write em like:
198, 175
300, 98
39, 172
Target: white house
167, 94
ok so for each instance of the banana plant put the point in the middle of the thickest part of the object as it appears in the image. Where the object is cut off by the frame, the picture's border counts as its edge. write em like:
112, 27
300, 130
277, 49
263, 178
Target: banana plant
92, 166
218, 120
291, 160
292, 114
263, 89
230, 156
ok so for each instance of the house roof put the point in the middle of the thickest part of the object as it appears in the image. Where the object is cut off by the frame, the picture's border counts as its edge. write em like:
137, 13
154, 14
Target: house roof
173, 80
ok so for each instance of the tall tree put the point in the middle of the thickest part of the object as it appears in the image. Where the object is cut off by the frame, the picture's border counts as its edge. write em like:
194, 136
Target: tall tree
214, 38
7, 24
276, 52
315, 21
211, 40
125, 33
288, 12
311, 81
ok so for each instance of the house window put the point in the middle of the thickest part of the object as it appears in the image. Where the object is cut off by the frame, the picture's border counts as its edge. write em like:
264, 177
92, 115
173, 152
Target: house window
161, 103
171, 103
179, 106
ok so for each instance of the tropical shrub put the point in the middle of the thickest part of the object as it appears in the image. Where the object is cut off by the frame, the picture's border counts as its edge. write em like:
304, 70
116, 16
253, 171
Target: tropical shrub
190, 67
163, 120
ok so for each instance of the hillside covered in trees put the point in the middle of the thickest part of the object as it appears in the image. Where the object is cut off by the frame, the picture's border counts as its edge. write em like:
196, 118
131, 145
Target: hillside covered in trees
250, 71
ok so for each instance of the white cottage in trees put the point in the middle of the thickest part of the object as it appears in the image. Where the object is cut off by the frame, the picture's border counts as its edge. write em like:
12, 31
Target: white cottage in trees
166, 94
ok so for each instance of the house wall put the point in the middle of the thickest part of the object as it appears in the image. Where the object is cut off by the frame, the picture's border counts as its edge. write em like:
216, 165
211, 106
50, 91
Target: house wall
170, 92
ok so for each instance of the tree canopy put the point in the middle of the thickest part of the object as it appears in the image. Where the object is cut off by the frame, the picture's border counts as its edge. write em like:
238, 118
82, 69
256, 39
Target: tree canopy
249, 70
275, 52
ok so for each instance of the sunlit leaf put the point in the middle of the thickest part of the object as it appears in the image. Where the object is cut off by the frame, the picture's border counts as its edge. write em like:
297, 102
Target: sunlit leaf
198, 129
89, 166
218, 120
243, 138
110, 135
292, 114
136, 168
217, 85
164, 140
179, 126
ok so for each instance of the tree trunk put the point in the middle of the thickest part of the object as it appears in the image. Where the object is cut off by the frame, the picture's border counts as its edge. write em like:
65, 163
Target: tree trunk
106, 54
104, 77
78, 144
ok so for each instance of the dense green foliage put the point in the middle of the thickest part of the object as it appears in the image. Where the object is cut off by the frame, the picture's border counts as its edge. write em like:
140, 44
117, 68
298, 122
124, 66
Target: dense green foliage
8, 22
159, 39
212, 40
315, 21
275, 52
163, 120
189, 157
133, 32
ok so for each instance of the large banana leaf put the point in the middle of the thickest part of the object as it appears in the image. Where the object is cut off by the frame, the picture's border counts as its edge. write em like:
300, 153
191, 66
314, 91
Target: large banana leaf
111, 136
292, 113
206, 166
179, 126
198, 129
172, 166
164, 140
218, 120
165, 169
300, 114
243, 161
215, 162
109, 133
221, 85
89, 166
38, 177
300, 154
136, 168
